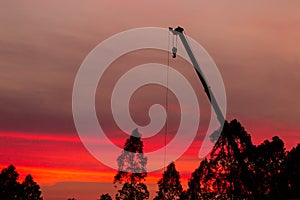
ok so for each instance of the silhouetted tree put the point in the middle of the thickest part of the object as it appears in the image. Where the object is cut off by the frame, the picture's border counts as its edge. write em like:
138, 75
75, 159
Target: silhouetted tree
132, 170
268, 166
184, 195
239, 170
292, 173
169, 186
285, 182
30, 189
105, 197
9, 187
231, 177
199, 185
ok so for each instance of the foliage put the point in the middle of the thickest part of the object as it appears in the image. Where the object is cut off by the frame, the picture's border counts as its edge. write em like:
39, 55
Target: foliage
198, 185
231, 177
30, 189
105, 197
290, 179
11, 189
169, 186
237, 169
268, 166
9, 186
132, 170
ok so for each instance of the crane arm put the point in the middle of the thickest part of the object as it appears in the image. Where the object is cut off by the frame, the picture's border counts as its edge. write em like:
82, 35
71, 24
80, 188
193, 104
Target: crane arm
179, 31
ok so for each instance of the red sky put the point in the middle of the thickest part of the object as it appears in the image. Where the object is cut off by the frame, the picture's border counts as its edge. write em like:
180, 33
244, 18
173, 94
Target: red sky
42, 44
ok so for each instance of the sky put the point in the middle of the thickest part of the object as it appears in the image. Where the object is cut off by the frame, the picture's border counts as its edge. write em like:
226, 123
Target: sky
43, 43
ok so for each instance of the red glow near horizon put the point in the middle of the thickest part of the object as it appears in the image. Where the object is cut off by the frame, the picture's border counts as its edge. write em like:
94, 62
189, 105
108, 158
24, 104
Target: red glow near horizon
43, 44
53, 159
50, 158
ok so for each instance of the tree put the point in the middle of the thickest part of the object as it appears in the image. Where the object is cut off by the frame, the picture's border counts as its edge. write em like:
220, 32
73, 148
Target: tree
132, 170
230, 164
11, 189
269, 167
9, 186
286, 183
105, 197
30, 189
184, 195
292, 172
198, 185
237, 169
169, 186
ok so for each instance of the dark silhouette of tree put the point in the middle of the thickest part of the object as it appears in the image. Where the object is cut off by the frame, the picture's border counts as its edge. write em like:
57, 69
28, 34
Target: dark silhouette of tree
286, 183
292, 172
231, 177
236, 169
9, 187
199, 186
268, 166
71, 199
169, 186
105, 197
132, 170
184, 195
30, 189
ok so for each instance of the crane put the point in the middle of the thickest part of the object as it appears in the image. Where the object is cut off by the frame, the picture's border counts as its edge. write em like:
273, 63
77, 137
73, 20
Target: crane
179, 32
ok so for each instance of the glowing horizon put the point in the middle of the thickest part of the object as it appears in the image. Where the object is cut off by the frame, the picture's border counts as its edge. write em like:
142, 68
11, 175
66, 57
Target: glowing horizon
42, 43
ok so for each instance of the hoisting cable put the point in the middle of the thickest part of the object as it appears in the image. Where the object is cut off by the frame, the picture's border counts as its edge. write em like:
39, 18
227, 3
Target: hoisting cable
166, 101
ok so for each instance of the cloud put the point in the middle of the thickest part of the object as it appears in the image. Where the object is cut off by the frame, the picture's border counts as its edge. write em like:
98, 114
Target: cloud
42, 44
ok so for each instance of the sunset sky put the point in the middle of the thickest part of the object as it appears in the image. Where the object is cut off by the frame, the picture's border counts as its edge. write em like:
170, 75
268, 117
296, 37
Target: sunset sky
255, 45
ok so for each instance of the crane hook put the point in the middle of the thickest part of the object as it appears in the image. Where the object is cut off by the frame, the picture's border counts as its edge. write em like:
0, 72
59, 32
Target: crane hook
174, 51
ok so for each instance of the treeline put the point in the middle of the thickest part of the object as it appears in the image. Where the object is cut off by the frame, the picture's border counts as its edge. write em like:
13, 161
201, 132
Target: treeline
12, 189
235, 169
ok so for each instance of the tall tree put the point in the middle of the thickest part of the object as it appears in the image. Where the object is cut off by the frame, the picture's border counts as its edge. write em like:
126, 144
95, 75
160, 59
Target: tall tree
230, 164
169, 186
285, 175
292, 172
30, 189
269, 167
199, 185
239, 170
132, 170
9, 187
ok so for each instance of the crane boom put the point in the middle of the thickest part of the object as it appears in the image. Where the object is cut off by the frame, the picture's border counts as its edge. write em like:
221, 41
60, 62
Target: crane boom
179, 31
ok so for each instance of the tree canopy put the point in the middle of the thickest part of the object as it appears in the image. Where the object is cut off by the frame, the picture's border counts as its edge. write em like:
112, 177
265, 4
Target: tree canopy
237, 169
11, 189
105, 197
169, 186
234, 169
132, 170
